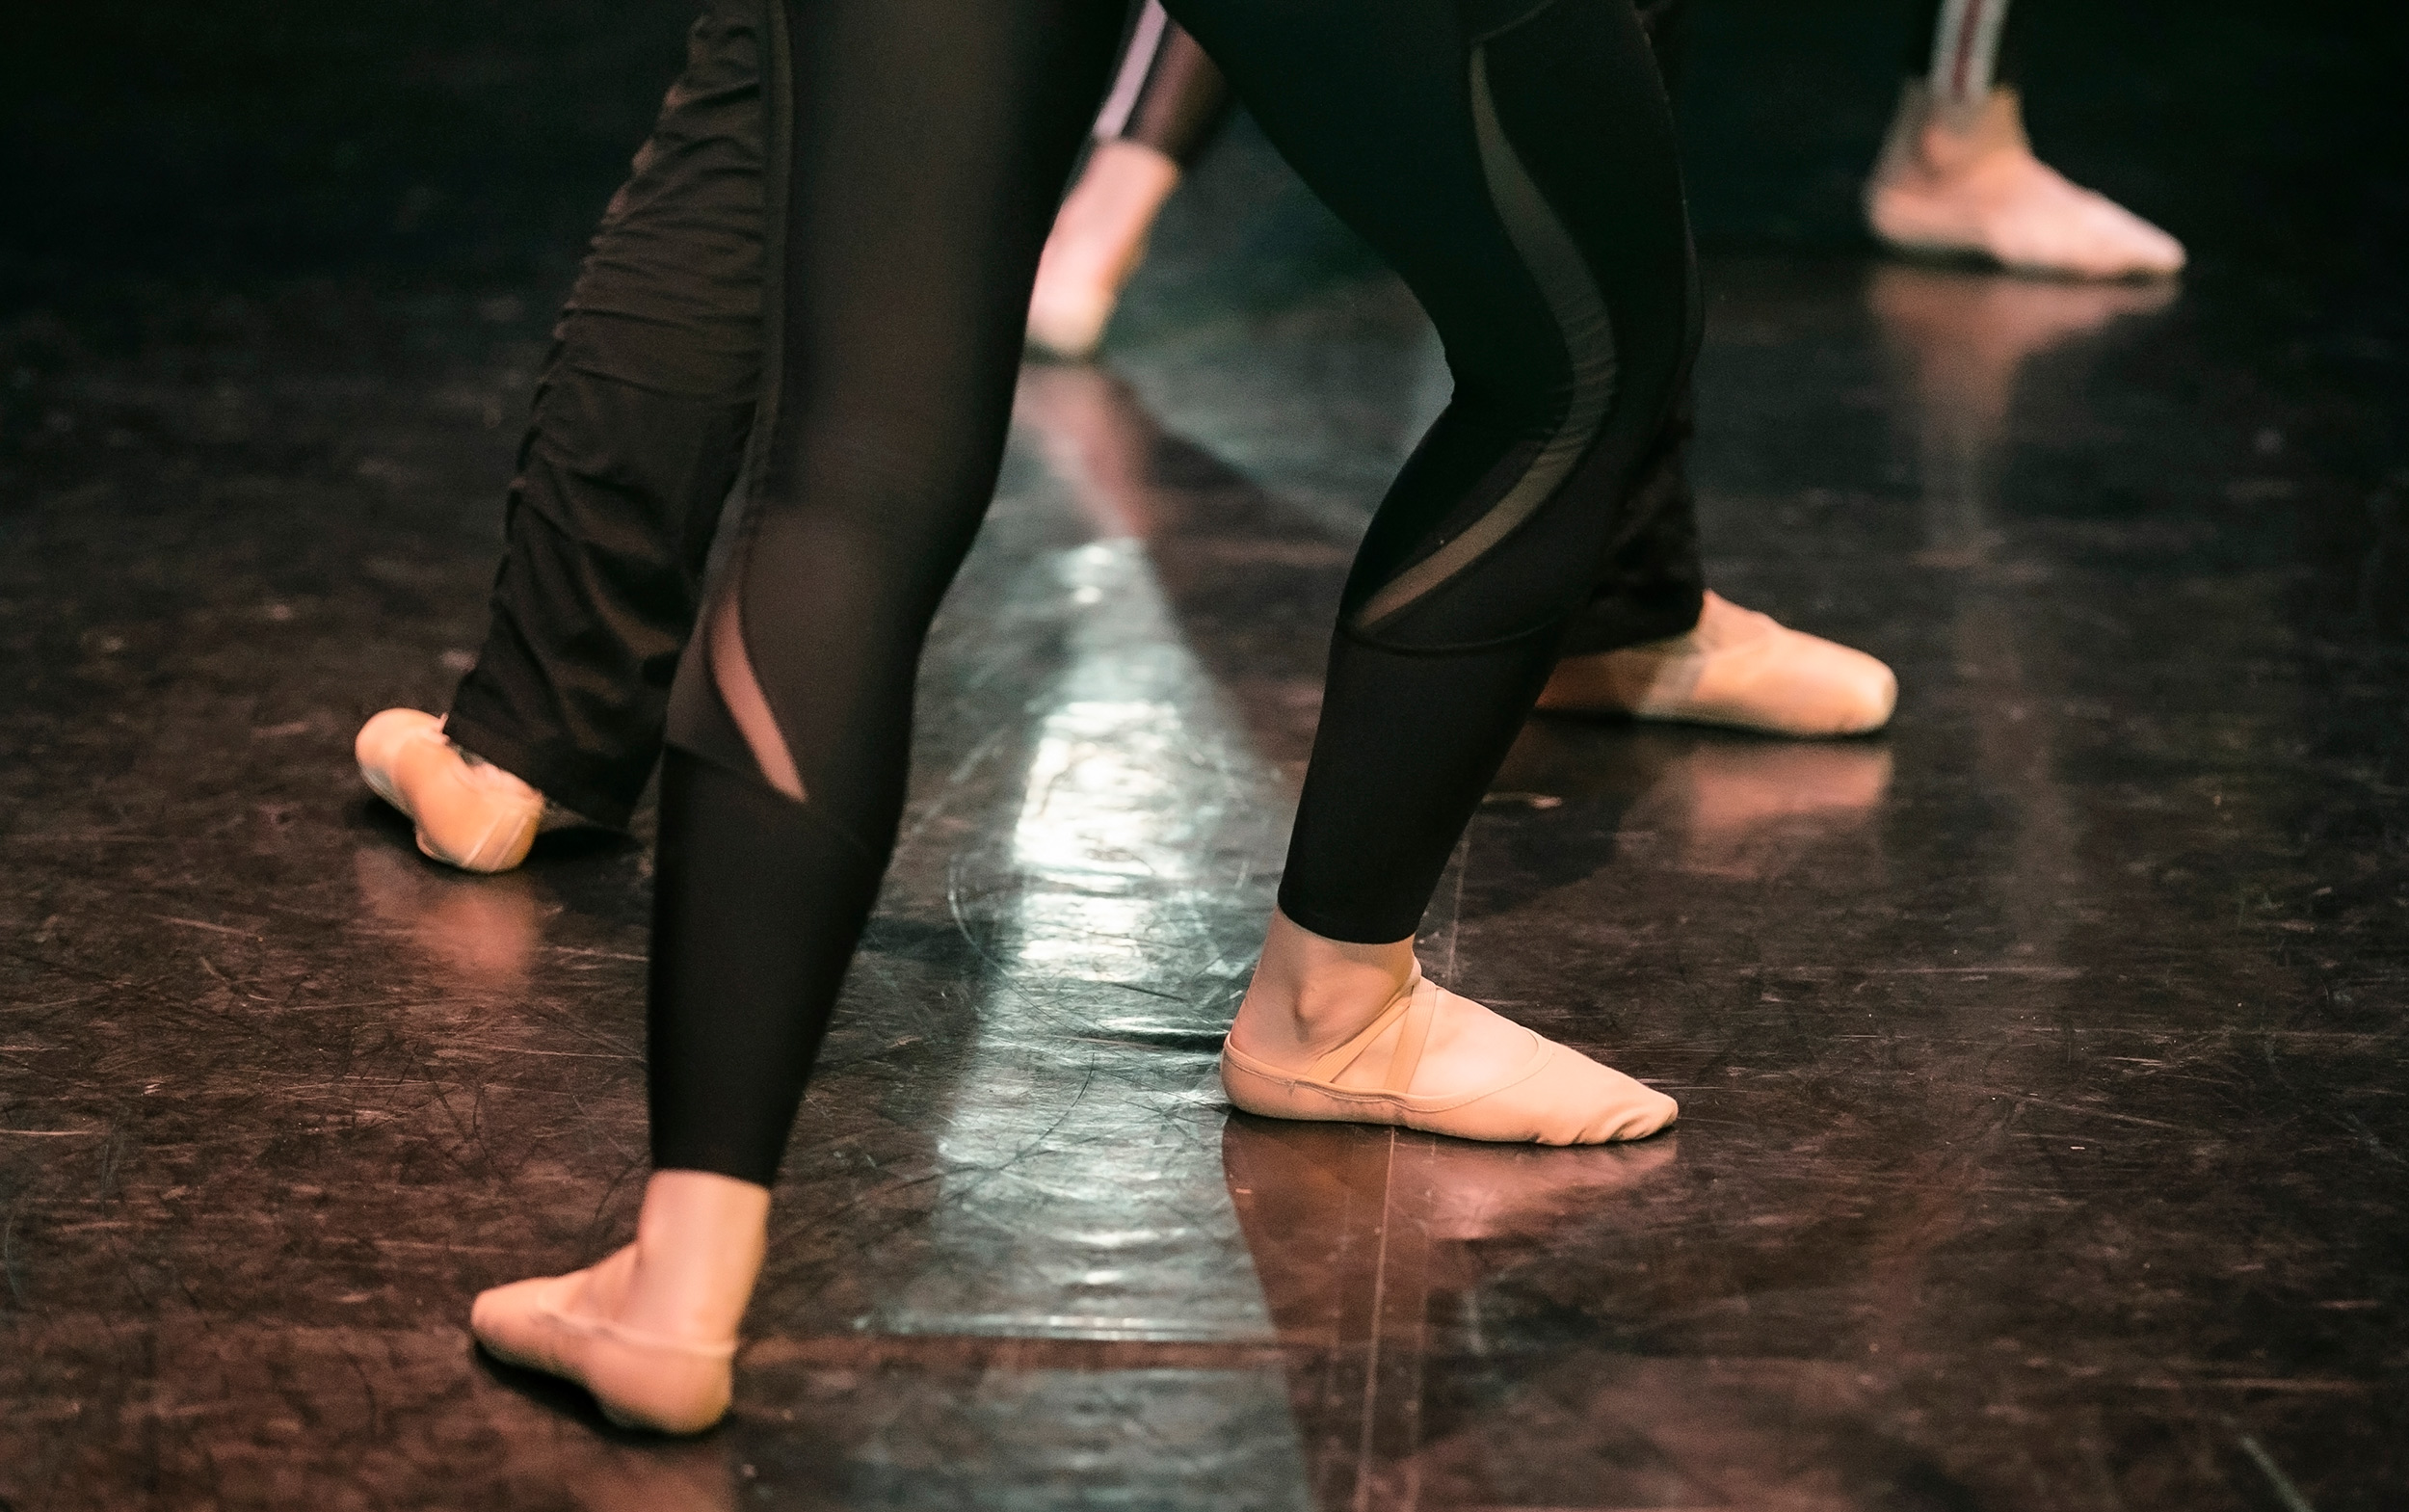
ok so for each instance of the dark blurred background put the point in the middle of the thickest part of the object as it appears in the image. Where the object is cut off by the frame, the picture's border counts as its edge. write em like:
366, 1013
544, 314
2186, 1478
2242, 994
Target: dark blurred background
240, 189
242, 144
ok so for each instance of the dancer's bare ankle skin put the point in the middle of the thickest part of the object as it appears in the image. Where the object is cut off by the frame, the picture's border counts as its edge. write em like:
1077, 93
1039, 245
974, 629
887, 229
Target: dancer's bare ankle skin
700, 1242
1310, 994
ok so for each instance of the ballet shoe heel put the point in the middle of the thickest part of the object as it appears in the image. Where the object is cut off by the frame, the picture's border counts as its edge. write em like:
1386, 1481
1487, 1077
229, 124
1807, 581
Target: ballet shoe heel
467, 813
662, 1390
1556, 1096
637, 1380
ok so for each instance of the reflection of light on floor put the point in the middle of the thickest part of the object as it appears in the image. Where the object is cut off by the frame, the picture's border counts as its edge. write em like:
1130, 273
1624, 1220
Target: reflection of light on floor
1081, 1193
1137, 773
1095, 786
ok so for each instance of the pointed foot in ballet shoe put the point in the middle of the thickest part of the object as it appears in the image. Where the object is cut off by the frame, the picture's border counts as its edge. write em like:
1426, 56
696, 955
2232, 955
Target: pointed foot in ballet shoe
637, 1379
469, 814
1964, 182
2028, 219
1097, 242
1537, 1092
1068, 314
1738, 670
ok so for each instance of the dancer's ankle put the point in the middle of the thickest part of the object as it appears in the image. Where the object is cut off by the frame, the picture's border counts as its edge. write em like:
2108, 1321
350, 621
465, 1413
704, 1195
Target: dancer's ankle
700, 1242
1311, 993
1953, 138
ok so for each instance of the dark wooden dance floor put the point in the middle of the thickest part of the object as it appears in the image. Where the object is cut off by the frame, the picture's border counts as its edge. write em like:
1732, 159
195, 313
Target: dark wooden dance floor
2046, 1083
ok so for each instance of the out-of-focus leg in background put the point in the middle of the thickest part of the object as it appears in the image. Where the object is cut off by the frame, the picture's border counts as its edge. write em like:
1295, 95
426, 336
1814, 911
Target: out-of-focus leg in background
1168, 103
1957, 175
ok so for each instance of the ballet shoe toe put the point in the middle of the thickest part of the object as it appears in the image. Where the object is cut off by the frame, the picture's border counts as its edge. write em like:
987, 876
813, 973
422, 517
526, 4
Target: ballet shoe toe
512, 1322
1564, 1099
1796, 684
378, 745
2054, 228
637, 1380
1596, 1104
1068, 313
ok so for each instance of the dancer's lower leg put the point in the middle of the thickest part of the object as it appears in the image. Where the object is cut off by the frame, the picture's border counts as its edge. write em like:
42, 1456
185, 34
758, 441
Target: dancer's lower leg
1957, 176
1168, 100
1339, 1023
640, 421
1518, 168
918, 193
1566, 371
1652, 641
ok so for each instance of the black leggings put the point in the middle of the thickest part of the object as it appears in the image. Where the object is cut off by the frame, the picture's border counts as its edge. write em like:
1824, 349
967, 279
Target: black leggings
1513, 162
646, 409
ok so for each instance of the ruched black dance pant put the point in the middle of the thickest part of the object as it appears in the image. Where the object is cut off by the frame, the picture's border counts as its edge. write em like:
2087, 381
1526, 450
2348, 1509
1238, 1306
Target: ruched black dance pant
1513, 161
646, 404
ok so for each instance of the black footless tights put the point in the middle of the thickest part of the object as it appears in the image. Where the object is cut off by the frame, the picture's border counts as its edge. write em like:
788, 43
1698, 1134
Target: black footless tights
1511, 159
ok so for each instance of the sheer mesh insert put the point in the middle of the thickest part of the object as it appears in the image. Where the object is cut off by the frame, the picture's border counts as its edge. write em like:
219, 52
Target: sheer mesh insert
740, 692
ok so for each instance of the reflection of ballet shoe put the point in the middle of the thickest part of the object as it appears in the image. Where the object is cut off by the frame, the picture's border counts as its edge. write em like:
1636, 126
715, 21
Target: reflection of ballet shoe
1097, 242
1965, 182
1728, 789
665, 1478
484, 933
1756, 810
1356, 1233
469, 812
1472, 1192
1738, 669
1549, 1094
1307, 1178
1096, 439
1968, 335
639, 1380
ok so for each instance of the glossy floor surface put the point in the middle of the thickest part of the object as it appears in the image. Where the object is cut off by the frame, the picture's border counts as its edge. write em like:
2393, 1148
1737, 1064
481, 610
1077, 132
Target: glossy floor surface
2046, 1140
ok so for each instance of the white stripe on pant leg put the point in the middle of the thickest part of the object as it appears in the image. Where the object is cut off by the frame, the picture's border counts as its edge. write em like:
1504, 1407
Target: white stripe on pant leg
1966, 49
1146, 44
